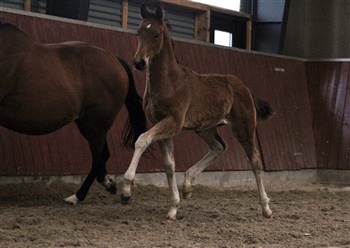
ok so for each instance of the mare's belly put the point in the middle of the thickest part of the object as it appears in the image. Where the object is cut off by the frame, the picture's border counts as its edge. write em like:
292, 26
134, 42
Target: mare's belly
35, 118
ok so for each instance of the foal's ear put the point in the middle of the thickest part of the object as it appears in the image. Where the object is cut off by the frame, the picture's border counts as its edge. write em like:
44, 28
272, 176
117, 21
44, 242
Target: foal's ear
144, 11
159, 13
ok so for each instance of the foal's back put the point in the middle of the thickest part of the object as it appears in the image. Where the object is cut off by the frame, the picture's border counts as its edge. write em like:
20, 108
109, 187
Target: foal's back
213, 98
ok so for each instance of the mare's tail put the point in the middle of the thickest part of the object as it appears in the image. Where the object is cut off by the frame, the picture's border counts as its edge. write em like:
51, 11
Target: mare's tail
263, 109
136, 123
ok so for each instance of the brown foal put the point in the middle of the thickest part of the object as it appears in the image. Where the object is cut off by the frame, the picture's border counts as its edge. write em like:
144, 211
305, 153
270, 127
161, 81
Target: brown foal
178, 98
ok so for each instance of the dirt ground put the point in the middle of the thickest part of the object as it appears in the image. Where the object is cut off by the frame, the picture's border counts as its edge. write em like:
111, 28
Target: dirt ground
35, 215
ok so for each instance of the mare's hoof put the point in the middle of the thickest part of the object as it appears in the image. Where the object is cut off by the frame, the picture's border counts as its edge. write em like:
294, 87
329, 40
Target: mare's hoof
187, 195
112, 188
72, 199
125, 200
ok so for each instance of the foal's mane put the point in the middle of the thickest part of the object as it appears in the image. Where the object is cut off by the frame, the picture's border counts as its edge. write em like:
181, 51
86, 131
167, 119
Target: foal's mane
169, 27
168, 24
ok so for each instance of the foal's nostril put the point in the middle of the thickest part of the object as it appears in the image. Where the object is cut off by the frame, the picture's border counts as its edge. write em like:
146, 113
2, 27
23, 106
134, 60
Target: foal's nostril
142, 63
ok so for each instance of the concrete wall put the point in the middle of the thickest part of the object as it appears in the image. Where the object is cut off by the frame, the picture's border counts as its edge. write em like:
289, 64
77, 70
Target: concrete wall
222, 179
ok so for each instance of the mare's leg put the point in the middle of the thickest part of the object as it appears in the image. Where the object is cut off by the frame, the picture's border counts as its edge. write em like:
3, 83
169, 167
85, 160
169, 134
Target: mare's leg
167, 149
216, 147
245, 135
100, 154
165, 129
99, 160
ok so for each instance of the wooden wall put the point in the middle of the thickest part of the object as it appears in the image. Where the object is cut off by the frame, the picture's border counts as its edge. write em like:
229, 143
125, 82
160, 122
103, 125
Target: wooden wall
286, 142
329, 90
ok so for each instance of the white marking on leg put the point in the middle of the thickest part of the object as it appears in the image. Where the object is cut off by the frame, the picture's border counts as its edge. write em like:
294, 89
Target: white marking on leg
140, 146
263, 198
167, 148
106, 183
72, 199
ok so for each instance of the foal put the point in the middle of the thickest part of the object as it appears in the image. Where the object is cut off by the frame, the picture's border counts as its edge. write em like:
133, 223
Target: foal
178, 98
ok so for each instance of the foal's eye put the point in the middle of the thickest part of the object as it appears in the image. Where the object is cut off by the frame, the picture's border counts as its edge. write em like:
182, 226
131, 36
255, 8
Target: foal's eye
156, 36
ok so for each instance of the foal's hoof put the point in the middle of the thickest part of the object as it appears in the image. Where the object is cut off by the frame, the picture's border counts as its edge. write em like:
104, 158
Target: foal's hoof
267, 214
112, 188
125, 200
169, 220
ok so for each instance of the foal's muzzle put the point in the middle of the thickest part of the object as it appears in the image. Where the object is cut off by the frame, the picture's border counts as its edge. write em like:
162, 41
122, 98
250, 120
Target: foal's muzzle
139, 65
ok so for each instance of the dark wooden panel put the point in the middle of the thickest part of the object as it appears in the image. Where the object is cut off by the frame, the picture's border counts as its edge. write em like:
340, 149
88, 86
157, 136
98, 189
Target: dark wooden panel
344, 147
8, 165
337, 110
300, 117
330, 98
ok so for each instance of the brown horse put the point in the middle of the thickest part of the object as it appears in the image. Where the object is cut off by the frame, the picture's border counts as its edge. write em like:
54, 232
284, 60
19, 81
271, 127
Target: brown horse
178, 98
44, 87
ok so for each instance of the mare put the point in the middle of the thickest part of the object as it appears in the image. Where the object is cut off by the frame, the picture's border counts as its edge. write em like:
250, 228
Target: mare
43, 87
178, 98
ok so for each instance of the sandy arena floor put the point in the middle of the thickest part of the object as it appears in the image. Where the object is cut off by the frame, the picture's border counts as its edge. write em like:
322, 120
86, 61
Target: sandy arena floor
312, 215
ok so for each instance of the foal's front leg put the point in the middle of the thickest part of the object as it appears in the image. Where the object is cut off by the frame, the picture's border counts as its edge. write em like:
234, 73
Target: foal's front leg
167, 148
141, 145
162, 130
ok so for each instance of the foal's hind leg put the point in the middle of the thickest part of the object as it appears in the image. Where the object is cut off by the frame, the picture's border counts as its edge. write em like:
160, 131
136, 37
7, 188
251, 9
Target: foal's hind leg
245, 135
216, 145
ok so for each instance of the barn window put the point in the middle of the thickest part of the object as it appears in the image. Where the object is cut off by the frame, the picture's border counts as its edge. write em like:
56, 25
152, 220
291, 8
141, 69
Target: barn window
223, 38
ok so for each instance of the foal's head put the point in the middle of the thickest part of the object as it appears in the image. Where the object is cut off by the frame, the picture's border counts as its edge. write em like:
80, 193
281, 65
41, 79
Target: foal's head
150, 36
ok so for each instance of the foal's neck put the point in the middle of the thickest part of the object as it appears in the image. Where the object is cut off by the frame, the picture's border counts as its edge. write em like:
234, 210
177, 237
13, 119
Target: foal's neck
165, 60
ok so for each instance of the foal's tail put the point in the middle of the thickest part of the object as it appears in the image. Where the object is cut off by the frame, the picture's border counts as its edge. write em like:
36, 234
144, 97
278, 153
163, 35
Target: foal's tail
263, 109
136, 123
